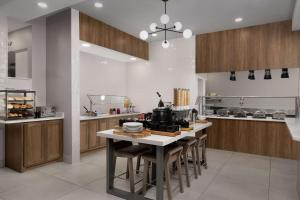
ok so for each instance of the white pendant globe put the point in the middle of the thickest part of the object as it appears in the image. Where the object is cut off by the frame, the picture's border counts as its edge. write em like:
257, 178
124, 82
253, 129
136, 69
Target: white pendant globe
178, 26
144, 35
153, 27
164, 19
187, 33
165, 44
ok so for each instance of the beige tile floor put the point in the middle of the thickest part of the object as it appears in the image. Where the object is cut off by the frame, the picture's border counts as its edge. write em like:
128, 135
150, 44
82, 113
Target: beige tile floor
230, 176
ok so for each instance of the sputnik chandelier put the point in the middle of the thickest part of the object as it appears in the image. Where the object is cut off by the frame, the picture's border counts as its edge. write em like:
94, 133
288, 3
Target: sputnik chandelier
165, 19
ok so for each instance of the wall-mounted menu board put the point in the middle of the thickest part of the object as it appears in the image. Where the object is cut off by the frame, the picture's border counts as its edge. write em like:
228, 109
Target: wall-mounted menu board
99, 33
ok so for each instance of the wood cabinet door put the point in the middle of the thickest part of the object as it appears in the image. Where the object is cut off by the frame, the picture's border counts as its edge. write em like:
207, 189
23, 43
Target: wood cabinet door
112, 123
92, 129
34, 141
54, 137
84, 136
102, 127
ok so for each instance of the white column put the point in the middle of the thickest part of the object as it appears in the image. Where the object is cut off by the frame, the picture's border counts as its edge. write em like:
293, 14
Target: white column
3, 75
63, 76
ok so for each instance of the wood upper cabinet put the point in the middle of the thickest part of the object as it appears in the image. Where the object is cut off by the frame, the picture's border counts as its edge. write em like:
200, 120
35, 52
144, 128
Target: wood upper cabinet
99, 33
269, 46
54, 138
34, 142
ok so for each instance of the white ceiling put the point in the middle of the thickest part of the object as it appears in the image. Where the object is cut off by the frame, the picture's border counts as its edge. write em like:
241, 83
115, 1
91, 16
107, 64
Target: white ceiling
25, 10
201, 16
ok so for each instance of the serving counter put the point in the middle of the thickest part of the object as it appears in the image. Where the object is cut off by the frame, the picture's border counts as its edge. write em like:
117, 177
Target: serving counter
267, 137
33, 142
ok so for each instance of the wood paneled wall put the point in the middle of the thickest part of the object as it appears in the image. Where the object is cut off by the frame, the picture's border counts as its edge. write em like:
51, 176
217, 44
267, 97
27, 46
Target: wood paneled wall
99, 33
269, 46
254, 137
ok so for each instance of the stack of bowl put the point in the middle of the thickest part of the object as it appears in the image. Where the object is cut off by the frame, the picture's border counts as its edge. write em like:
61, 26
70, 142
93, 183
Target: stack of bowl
132, 127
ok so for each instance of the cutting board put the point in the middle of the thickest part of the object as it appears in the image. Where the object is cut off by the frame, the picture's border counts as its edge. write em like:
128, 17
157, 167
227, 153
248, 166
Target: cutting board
142, 134
170, 134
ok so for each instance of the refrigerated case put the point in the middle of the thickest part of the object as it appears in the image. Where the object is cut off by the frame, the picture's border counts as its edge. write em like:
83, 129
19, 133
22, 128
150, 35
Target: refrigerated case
17, 104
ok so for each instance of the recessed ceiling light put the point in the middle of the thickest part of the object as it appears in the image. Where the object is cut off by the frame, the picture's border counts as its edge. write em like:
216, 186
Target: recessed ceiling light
42, 4
133, 58
98, 5
238, 19
85, 45
154, 34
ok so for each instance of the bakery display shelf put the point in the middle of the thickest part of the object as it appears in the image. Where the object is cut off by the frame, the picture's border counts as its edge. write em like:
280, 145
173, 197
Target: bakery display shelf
19, 109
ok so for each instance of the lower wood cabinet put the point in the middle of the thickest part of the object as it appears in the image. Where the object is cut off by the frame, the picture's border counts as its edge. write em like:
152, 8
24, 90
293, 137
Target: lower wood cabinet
88, 135
254, 137
88, 128
33, 143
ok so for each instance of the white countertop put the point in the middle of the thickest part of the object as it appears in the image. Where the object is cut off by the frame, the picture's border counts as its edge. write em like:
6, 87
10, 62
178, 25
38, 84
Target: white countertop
84, 117
293, 125
268, 119
156, 140
58, 116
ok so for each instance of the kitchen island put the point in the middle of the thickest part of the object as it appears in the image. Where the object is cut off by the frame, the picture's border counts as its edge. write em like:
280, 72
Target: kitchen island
268, 137
159, 142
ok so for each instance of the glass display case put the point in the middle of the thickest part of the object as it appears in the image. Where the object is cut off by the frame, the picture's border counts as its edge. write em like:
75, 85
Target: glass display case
17, 104
112, 104
243, 106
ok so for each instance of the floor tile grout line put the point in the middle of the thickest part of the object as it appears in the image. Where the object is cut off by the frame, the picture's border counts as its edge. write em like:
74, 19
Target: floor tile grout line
215, 176
268, 195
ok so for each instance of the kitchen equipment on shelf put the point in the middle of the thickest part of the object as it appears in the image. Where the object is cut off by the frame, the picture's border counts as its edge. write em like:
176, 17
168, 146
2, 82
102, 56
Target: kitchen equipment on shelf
280, 115
48, 111
17, 104
160, 103
89, 112
260, 114
181, 97
223, 112
240, 113
133, 127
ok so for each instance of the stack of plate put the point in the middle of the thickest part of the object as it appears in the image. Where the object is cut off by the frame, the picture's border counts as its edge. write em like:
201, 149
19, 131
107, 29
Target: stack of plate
132, 127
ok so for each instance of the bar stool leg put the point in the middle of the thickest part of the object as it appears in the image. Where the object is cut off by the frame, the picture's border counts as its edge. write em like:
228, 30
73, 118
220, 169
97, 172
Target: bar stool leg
194, 161
204, 154
178, 162
198, 158
138, 164
131, 174
146, 175
167, 173
185, 160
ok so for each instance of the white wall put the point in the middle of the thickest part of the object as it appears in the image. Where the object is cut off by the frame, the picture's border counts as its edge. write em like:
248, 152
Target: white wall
219, 83
3, 75
63, 76
22, 39
168, 69
39, 60
37, 81
100, 75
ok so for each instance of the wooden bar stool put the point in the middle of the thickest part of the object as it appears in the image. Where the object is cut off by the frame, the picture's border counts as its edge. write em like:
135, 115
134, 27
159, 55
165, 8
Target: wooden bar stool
130, 152
203, 144
189, 146
172, 155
